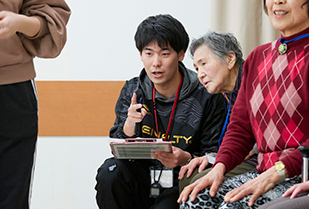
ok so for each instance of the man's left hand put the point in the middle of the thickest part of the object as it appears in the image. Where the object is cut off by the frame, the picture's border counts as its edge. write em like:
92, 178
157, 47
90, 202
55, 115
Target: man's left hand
171, 160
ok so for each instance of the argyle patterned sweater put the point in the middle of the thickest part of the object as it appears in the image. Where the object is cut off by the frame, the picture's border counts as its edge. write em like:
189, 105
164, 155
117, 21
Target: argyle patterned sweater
272, 108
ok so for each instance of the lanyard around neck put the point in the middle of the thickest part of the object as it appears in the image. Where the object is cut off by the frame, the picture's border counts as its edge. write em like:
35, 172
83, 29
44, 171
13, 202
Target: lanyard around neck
227, 121
172, 113
283, 47
294, 39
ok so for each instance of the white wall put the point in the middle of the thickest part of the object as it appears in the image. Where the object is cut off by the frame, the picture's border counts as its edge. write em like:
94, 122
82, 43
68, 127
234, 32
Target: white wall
100, 46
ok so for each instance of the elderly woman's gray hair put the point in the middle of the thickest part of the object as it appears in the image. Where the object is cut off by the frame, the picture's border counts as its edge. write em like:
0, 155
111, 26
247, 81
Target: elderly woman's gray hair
220, 44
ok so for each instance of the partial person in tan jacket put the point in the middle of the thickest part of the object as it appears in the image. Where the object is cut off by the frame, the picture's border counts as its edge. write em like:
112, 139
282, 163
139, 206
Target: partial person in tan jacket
28, 28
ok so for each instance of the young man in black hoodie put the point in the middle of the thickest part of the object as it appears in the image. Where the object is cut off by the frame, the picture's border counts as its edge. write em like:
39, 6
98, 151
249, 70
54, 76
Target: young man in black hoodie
173, 106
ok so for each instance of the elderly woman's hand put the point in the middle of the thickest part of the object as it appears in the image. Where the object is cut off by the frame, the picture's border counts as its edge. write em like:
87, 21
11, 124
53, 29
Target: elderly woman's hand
256, 187
296, 189
213, 179
201, 162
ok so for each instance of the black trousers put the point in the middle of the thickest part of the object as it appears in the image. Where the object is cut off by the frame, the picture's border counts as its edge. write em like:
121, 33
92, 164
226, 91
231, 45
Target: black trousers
18, 136
124, 184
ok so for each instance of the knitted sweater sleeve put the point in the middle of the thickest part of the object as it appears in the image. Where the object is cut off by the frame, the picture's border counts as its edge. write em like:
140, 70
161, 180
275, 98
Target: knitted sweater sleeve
245, 128
53, 15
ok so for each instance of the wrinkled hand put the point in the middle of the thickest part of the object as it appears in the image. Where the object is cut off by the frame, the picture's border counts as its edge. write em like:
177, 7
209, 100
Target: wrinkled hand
171, 160
202, 162
256, 187
133, 116
213, 179
9, 24
296, 189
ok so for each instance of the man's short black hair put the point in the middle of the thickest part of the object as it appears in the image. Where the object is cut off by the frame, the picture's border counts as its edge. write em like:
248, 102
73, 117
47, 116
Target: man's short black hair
164, 29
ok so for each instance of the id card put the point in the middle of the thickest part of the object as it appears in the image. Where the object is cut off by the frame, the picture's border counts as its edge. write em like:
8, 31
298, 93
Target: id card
166, 178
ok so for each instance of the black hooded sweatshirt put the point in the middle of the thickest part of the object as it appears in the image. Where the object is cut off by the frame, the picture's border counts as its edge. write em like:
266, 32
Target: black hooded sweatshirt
197, 121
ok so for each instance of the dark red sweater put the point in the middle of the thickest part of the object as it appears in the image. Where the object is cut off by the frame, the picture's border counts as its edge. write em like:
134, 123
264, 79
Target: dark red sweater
272, 108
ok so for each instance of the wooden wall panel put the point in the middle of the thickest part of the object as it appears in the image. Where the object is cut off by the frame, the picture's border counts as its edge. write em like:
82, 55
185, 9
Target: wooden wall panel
77, 108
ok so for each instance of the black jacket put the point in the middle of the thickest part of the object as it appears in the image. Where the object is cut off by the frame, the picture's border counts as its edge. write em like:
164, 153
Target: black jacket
253, 159
197, 122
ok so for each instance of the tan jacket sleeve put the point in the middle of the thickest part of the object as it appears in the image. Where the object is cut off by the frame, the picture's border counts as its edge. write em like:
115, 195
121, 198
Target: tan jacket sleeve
54, 16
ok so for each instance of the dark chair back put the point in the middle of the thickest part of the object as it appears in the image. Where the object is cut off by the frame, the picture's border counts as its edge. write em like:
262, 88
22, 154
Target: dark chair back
305, 151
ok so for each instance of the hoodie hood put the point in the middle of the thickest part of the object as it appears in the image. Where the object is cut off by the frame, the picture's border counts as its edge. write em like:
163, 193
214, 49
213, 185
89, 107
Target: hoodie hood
190, 82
